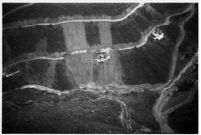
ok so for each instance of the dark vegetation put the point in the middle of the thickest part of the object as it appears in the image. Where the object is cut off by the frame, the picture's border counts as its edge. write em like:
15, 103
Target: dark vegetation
6, 52
171, 31
185, 118
49, 10
188, 82
55, 39
191, 37
185, 86
140, 108
46, 113
22, 98
62, 81
147, 64
177, 98
192, 25
179, 18
18, 104
189, 46
32, 111
96, 68
37, 70
8, 7
146, 13
16, 81
25, 40
32, 72
141, 22
92, 33
128, 30
167, 8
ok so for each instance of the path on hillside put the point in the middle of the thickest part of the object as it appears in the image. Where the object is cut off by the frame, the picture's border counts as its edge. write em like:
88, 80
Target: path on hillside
179, 41
144, 38
124, 115
168, 88
142, 42
81, 20
17, 9
163, 99
33, 59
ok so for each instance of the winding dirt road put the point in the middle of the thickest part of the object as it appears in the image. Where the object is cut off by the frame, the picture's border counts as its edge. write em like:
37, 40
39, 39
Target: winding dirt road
143, 40
81, 20
124, 115
163, 99
17, 9
168, 87
179, 41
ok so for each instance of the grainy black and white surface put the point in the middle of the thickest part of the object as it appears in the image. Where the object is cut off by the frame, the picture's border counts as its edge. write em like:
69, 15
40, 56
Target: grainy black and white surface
100, 68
